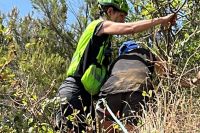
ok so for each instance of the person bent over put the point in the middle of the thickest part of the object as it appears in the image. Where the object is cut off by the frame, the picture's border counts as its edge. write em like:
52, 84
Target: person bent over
130, 76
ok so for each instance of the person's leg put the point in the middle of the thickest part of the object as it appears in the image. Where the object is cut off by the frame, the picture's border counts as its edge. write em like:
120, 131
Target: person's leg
73, 97
116, 103
134, 105
113, 102
104, 118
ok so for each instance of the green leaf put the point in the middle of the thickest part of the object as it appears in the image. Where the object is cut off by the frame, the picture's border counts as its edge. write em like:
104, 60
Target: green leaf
144, 93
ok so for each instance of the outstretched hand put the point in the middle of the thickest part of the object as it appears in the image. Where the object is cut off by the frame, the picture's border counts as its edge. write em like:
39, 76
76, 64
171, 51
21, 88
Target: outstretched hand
169, 20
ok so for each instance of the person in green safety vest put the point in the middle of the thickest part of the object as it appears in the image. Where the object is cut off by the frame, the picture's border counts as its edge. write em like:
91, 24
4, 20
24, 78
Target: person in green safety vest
91, 59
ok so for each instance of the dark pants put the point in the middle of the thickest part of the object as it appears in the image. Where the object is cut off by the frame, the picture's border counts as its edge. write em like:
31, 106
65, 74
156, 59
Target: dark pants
73, 98
127, 105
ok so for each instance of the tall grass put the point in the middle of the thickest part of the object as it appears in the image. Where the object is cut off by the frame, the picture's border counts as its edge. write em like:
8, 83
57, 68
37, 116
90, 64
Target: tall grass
177, 110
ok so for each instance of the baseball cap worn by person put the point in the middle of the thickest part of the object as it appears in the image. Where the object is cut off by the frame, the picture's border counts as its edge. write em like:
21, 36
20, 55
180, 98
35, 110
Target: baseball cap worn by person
121, 5
128, 46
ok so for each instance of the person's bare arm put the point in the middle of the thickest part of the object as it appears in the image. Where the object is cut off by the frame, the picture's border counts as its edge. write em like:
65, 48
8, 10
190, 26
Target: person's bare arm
160, 67
114, 28
161, 70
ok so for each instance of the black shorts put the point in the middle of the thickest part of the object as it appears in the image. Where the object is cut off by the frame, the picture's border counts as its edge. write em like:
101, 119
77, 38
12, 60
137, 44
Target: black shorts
73, 92
73, 96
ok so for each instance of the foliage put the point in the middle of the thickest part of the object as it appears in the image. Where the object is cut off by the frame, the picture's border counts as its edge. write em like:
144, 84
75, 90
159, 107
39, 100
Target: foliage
35, 54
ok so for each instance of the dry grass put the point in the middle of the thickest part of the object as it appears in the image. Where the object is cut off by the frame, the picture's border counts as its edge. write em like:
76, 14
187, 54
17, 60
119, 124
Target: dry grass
177, 112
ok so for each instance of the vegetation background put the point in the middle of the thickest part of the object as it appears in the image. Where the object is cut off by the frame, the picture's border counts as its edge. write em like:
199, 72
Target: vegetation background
35, 54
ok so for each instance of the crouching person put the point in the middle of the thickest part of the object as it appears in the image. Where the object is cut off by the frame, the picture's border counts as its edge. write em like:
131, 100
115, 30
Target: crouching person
123, 92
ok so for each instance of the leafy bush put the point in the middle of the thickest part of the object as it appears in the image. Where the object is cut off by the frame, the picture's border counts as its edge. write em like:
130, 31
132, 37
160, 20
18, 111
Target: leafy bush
35, 54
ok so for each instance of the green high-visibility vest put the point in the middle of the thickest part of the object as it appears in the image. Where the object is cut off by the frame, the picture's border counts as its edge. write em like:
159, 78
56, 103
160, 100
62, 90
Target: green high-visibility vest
89, 58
